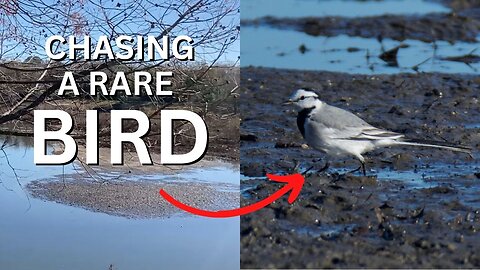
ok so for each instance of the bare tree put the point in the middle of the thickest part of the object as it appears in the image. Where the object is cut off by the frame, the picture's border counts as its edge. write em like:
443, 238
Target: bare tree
28, 79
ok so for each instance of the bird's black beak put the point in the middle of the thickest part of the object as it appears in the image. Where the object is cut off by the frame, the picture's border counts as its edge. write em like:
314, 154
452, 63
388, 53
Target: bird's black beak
288, 102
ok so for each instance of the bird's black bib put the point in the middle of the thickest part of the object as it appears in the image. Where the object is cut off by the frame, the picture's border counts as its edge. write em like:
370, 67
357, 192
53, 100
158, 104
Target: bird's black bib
302, 117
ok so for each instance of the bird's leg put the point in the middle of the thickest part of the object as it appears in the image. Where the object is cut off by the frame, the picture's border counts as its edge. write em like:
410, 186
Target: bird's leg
356, 170
296, 168
361, 167
307, 170
324, 168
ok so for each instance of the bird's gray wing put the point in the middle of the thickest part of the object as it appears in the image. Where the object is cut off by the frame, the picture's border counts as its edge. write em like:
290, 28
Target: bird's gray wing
374, 133
336, 118
342, 124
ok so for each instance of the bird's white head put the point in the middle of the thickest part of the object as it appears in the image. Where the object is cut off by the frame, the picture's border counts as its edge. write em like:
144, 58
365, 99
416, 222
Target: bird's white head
304, 99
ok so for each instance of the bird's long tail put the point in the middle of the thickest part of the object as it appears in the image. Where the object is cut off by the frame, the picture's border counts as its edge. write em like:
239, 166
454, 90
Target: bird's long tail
436, 144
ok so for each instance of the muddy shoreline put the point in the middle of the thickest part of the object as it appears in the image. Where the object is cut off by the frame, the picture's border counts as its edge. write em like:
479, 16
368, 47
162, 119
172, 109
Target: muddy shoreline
133, 199
132, 190
448, 27
354, 221
461, 24
350, 222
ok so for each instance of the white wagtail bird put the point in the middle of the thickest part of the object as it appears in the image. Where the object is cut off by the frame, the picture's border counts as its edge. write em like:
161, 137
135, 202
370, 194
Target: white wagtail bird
340, 133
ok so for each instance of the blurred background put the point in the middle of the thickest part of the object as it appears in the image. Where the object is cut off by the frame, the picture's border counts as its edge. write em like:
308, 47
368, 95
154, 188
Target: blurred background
364, 37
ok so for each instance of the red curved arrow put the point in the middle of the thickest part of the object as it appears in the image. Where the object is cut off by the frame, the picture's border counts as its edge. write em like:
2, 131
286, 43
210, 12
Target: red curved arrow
293, 182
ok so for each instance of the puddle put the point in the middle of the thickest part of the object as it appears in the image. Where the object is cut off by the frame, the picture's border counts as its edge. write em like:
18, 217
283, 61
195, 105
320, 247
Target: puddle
472, 126
420, 177
329, 232
245, 178
249, 183
38, 234
423, 176
275, 48
253, 9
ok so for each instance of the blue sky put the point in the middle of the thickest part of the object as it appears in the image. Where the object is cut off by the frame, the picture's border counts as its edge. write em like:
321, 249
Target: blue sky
143, 21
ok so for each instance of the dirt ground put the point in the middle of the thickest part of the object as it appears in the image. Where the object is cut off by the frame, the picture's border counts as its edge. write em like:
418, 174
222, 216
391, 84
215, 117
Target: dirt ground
427, 220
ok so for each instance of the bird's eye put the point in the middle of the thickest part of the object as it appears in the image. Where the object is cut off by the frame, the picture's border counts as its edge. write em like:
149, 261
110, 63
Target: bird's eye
302, 98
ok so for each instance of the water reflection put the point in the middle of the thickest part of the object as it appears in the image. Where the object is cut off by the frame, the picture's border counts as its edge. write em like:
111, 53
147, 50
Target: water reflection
269, 47
36, 234
16, 141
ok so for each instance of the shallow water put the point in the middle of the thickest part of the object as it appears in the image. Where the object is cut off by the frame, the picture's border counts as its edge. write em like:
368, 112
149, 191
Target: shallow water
423, 176
252, 9
36, 234
224, 174
276, 48
326, 232
420, 176
473, 126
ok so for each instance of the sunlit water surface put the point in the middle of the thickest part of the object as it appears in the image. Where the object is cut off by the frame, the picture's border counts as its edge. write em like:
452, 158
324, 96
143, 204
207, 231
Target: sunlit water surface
253, 9
36, 234
276, 48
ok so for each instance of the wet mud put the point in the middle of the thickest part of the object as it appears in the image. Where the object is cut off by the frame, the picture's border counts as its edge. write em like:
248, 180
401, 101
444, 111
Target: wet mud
461, 24
417, 207
448, 27
352, 221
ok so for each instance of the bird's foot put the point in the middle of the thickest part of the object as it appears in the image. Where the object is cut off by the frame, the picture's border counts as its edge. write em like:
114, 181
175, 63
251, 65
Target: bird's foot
307, 170
360, 168
296, 168
325, 167
354, 171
